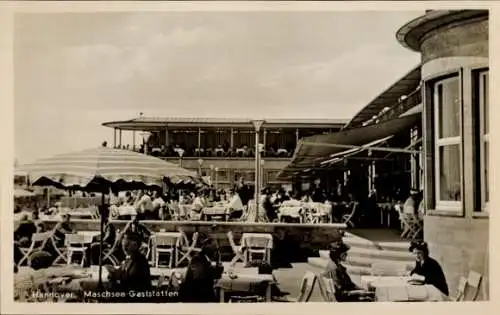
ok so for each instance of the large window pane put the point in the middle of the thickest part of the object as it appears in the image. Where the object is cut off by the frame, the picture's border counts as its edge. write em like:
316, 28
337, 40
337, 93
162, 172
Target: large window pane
486, 102
485, 170
448, 108
449, 173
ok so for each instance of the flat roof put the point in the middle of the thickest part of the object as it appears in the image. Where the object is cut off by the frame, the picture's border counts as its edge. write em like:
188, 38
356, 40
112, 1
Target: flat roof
150, 123
411, 34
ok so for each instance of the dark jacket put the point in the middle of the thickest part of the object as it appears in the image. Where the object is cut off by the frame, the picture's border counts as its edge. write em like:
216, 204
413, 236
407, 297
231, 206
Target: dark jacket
245, 194
25, 230
433, 274
341, 281
198, 285
134, 274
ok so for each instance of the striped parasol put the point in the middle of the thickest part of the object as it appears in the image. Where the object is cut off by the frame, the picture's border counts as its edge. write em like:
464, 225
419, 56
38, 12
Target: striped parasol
92, 169
101, 169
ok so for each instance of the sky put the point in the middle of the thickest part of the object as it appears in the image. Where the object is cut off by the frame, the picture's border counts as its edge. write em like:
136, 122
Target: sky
74, 71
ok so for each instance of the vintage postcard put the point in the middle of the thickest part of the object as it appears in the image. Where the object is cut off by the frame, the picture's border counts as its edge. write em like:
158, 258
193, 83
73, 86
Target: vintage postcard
289, 155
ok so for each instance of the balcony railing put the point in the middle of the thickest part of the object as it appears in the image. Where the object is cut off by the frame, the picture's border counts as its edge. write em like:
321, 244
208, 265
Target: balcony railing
212, 154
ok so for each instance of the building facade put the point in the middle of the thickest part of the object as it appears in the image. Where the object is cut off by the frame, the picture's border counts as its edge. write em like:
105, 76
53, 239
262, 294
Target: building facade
454, 54
223, 149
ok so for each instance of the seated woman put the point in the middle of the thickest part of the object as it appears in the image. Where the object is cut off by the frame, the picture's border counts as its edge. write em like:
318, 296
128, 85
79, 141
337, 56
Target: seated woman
235, 205
427, 267
134, 272
345, 289
198, 284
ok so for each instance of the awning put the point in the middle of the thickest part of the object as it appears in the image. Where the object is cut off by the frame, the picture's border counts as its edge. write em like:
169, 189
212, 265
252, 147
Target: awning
311, 151
349, 152
390, 97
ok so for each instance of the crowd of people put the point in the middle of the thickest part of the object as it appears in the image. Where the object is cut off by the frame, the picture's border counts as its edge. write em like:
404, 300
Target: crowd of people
222, 150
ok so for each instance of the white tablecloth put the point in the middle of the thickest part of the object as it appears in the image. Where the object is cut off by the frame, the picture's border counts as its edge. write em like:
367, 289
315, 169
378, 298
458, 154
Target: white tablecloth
127, 210
368, 282
289, 211
89, 235
215, 210
398, 289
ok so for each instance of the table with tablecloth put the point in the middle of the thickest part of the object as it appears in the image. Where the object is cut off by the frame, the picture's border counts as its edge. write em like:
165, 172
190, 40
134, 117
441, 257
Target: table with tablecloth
80, 213
398, 289
294, 212
215, 211
250, 283
89, 236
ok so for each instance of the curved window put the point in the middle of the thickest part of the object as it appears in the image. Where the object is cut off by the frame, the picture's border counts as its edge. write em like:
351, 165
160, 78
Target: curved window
447, 140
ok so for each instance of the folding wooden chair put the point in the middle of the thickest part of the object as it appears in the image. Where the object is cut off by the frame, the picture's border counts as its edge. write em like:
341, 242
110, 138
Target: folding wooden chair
326, 288
462, 284
174, 211
186, 248
348, 218
408, 223
415, 225
164, 244
38, 242
306, 288
258, 246
75, 243
473, 284
108, 254
237, 250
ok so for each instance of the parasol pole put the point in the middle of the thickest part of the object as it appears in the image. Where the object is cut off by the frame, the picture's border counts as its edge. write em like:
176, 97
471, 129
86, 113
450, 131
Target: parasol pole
101, 241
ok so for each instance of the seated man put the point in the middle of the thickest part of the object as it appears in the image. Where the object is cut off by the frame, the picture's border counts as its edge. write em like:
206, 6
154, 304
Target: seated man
133, 273
62, 228
25, 231
235, 205
345, 289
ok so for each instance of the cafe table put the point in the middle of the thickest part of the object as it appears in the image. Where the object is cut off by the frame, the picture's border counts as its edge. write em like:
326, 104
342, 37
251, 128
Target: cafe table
398, 289
216, 210
89, 235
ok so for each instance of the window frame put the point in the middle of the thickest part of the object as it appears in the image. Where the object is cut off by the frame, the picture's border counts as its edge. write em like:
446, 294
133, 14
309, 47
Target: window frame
483, 137
446, 205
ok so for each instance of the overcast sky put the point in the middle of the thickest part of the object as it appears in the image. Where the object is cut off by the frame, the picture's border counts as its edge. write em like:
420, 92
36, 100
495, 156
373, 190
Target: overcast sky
74, 71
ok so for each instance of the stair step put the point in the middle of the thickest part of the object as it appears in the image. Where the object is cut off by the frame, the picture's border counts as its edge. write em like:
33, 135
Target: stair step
374, 254
355, 241
318, 262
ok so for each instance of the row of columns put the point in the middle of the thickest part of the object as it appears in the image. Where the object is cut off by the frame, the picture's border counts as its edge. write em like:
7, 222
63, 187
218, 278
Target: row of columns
231, 138
118, 132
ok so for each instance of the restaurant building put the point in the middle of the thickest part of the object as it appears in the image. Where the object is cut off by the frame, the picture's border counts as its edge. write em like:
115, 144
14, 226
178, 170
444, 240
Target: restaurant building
455, 86
434, 123
223, 149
